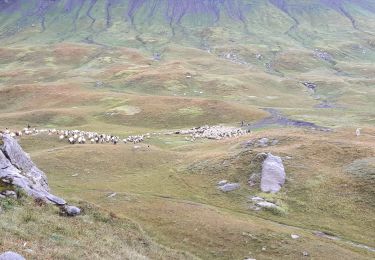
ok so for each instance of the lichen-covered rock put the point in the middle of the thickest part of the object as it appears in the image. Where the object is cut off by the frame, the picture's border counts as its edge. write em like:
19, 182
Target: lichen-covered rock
17, 169
273, 174
11, 256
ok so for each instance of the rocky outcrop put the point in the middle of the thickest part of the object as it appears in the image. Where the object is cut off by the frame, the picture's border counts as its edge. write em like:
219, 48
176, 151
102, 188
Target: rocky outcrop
18, 170
273, 174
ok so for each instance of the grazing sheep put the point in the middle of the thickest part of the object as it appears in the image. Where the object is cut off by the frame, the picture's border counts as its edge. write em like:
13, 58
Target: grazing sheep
358, 132
61, 137
71, 140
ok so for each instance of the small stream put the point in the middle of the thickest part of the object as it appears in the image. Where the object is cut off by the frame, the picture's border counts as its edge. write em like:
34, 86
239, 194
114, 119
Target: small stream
277, 118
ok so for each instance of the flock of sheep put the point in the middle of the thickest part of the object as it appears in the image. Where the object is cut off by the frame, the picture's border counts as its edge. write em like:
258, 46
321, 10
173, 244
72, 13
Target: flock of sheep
78, 136
216, 132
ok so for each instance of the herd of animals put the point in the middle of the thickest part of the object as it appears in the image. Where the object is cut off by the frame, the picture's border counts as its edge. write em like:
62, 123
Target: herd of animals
78, 136
217, 132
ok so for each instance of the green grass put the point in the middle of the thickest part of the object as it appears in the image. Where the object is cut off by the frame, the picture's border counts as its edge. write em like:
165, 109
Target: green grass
39, 232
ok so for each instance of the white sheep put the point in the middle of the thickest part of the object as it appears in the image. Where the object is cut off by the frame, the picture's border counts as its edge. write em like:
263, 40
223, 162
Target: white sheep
71, 140
358, 132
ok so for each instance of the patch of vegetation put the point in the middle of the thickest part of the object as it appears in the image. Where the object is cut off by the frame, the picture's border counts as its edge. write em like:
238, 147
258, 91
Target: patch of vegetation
26, 226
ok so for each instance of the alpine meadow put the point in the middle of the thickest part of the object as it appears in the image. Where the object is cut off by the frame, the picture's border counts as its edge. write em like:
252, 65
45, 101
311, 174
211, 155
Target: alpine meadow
187, 129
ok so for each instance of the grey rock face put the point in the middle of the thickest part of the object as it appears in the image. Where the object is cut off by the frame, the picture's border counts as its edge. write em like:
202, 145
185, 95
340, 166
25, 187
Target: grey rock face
22, 161
11, 256
229, 187
17, 169
273, 174
71, 210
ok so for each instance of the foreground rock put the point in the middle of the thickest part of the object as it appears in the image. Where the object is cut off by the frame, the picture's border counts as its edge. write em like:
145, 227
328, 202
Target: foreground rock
11, 256
17, 169
273, 174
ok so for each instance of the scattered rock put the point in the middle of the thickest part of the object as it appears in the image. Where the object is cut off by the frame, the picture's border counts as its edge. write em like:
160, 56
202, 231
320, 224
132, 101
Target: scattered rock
294, 236
309, 85
304, 253
11, 256
9, 194
255, 208
273, 174
112, 195
222, 182
323, 55
266, 204
254, 179
257, 199
263, 142
71, 210
229, 187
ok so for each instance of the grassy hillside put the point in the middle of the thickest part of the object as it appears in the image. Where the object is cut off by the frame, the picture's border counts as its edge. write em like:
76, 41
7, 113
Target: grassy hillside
147, 66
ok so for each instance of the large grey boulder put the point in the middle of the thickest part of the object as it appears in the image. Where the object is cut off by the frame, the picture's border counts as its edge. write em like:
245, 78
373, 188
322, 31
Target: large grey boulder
273, 174
11, 256
17, 169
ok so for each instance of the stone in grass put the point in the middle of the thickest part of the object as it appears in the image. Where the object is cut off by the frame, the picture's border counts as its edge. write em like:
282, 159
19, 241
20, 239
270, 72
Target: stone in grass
257, 199
266, 204
229, 187
11, 256
9, 194
71, 210
222, 182
273, 174
294, 236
